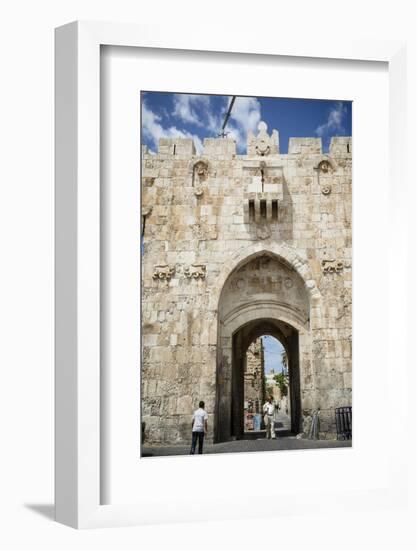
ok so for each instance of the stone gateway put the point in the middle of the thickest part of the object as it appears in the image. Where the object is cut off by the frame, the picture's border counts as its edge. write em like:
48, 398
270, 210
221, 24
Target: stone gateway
236, 247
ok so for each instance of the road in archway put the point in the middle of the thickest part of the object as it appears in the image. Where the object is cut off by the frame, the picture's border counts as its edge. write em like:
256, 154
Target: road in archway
282, 422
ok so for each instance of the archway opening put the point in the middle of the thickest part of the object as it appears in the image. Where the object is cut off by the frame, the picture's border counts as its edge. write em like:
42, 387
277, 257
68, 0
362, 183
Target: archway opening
266, 374
245, 343
254, 387
263, 296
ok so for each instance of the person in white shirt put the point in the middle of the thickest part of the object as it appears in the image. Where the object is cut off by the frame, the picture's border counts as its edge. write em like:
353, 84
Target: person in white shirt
269, 409
199, 428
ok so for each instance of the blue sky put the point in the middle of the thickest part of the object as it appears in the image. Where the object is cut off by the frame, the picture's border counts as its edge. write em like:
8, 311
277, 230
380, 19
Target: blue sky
199, 116
272, 353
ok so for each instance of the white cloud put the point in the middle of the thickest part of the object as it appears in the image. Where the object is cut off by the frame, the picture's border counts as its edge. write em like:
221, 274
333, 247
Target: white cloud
190, 108
334, 121
153, 129
150, 124
245, 116
246, 113
214, 122
199, 110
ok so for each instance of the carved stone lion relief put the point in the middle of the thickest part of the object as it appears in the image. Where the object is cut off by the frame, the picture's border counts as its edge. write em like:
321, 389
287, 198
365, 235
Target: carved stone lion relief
195, 271
332, 266
163, 272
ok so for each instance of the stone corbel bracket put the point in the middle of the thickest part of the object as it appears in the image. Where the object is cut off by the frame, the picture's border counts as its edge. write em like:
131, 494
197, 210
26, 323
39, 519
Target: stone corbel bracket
198, 190
195, 271
146, 211
163, 272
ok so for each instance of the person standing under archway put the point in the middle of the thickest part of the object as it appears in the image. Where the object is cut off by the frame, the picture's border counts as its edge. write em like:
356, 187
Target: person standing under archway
269, 410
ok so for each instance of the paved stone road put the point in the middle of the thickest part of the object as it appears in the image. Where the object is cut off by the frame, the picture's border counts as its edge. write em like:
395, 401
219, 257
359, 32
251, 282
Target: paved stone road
253, 445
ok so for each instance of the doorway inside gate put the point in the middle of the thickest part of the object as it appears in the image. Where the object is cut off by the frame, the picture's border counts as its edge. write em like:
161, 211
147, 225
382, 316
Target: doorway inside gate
247, 400
265, 375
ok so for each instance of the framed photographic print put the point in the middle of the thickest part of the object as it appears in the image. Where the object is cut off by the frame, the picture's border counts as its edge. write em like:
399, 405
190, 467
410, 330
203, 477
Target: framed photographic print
246, 273
219, 216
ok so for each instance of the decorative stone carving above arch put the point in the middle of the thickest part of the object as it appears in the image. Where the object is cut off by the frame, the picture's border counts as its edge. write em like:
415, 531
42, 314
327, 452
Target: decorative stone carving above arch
198, 170
268, 282
263, 144
198, 190
283, 252
195, 271
325, 166
163, 272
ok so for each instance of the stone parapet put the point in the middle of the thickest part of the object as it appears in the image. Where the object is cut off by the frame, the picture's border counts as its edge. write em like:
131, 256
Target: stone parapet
340, 146
179, 147
219, 148
304, 146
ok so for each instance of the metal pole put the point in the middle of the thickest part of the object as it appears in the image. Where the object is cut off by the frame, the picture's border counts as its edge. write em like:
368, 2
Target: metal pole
226, 118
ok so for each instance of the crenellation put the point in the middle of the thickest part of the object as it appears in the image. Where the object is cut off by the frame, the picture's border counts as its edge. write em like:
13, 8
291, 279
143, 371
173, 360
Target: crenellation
340, 146
220, 148
178, 147
304, 146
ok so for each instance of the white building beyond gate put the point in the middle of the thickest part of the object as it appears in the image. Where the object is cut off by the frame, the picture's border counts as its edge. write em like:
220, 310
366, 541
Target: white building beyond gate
237, 246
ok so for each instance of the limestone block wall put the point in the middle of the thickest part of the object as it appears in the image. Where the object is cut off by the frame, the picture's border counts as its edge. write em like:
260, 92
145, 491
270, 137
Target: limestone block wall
196, 228
254, 379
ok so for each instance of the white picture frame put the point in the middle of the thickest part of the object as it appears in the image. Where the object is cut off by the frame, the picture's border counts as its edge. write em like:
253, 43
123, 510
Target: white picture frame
78, 405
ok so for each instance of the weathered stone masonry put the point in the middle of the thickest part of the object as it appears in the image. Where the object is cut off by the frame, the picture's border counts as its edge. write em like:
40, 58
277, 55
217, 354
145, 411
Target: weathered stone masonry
236, 246
254, 375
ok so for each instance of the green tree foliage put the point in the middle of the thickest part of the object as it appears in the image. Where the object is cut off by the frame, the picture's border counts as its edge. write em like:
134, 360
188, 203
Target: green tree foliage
282, 383
269, 390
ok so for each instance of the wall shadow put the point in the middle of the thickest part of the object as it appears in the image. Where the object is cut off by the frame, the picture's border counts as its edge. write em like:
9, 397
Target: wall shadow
45, 510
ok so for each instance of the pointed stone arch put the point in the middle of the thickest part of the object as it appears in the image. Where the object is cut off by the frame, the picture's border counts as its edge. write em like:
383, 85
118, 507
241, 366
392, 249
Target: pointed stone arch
282, 251
252, 292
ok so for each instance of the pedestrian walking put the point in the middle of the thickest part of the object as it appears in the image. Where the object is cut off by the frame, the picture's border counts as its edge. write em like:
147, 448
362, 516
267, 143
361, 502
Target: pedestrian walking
199, 428
269, 409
